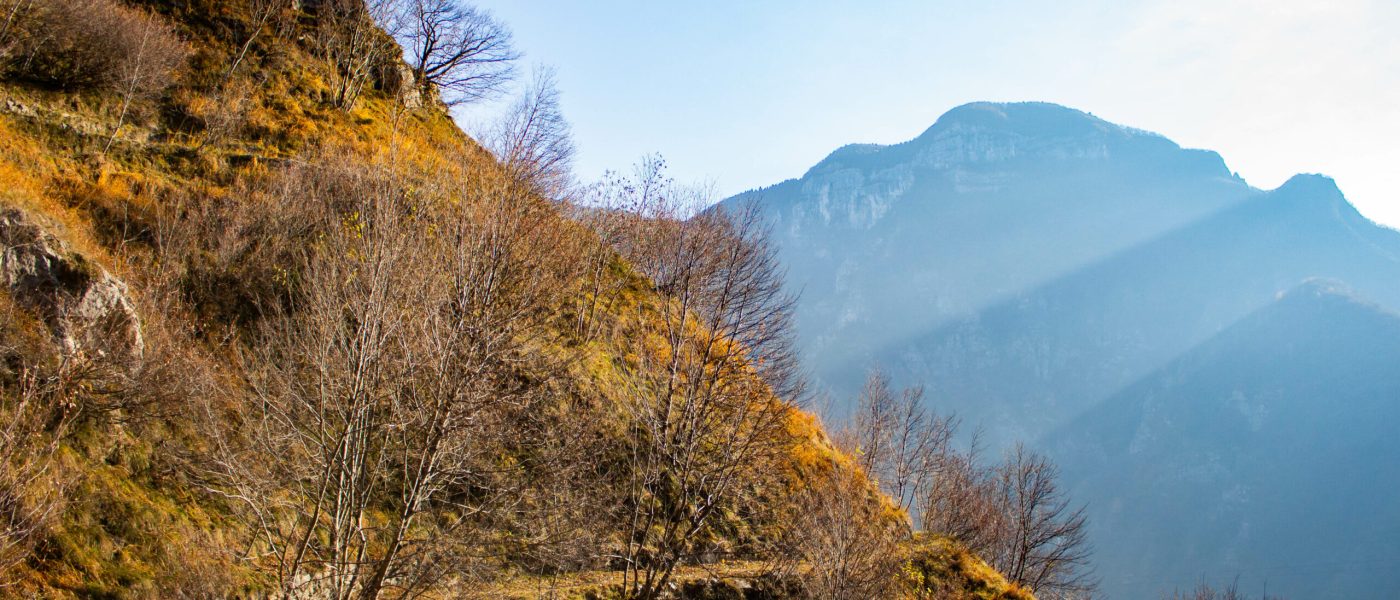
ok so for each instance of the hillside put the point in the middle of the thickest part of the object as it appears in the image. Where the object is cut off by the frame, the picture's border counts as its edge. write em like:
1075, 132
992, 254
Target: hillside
1280, 415
275, 327
1028, 263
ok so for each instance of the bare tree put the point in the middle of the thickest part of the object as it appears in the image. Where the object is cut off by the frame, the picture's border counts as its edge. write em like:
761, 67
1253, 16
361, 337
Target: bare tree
709, 358
29, 496
12, 16
350, 38
456, 50
899, 442
613, 209
1014, 514
1204, 591
532, 141
153, 53
849, 543
391, 389
1045, 545
853, 532
327, 396
961, 502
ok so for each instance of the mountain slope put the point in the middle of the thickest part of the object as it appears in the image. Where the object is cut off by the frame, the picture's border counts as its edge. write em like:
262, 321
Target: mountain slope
1029, 253
1031, 264
1057, 347
1266, 452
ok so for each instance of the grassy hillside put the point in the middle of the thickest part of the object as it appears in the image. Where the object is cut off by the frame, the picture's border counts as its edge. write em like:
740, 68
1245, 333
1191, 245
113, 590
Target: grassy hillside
184, 260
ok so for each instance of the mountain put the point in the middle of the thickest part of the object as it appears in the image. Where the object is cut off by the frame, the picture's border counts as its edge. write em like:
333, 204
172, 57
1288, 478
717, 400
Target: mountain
1033, 254
1267, 451
1029, 262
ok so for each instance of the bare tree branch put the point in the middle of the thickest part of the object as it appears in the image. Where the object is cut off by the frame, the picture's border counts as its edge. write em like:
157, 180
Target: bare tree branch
456, 50
532, 141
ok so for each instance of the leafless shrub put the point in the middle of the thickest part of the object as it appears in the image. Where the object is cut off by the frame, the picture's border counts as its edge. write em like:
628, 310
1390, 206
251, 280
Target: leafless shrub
455, 50
394, 388
13, 15
708, 358
348, 36
224, 110
269, 16
1012, 514
234, 259
29, 497
36, 407
1044, 546
899, 443
849, 542
93, 44
532, 141
224, 114
1204, 591
149, 62
196, 564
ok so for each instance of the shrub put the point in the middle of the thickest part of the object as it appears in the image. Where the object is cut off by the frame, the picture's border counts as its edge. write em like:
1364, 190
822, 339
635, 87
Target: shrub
852, 543
11, 11
92, 44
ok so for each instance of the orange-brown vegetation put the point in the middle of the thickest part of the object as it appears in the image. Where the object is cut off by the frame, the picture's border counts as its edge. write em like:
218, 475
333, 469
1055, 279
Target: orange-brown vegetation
381, 360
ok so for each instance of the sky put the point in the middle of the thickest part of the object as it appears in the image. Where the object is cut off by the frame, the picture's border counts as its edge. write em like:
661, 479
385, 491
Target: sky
742, 95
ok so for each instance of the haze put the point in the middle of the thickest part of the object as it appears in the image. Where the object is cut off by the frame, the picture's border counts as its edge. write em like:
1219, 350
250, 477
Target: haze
746, 94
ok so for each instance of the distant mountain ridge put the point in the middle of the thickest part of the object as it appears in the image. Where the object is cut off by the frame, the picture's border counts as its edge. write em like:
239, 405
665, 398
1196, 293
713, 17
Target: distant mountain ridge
1030, 262
1262, 450
987, 133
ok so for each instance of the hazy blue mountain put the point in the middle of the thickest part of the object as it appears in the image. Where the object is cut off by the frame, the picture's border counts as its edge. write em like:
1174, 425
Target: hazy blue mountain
1267, 451
1033, 255
1030, 263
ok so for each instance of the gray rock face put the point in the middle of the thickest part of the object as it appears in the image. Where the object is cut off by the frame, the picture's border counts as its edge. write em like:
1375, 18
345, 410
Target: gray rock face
397, 80
88, 310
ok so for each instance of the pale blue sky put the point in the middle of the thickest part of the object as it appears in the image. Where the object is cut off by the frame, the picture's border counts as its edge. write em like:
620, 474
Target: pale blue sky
745, 94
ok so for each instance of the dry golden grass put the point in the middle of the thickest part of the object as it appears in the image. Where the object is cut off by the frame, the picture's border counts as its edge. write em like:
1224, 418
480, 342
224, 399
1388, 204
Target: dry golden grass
141, 528
940, 568
603, 584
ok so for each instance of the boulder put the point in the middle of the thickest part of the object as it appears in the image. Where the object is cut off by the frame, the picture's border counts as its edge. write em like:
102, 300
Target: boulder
89, 311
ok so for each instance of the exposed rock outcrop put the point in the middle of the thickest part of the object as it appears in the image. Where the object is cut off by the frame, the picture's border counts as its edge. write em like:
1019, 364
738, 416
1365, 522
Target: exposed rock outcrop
88, 310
